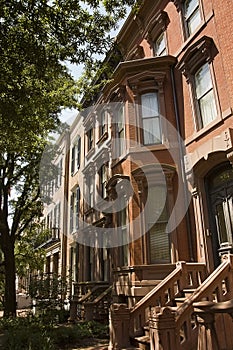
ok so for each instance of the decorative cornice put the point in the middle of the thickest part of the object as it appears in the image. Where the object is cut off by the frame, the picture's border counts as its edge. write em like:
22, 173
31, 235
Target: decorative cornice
204, 50
157, 24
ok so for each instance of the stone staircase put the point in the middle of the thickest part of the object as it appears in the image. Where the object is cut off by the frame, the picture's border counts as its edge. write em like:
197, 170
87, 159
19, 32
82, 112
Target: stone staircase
166, 317
93, 305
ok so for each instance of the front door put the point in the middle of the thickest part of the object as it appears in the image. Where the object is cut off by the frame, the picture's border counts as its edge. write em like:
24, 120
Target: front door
220, 193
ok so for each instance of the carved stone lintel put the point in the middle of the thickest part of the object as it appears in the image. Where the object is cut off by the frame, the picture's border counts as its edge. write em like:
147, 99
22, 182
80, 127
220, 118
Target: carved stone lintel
157, 24
204, 50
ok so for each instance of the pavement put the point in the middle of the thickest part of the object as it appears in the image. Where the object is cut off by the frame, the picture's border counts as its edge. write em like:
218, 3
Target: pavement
97, 344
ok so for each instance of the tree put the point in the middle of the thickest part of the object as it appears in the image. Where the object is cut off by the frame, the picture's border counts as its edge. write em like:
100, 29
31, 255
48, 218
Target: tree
36, 38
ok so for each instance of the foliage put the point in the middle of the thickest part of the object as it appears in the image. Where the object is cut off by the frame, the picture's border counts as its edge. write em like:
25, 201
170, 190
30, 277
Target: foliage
36, 38
31, 333
48, 291
29, 257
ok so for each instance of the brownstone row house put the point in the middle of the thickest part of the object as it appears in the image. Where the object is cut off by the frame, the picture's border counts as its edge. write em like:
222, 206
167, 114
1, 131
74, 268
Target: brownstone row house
148, 186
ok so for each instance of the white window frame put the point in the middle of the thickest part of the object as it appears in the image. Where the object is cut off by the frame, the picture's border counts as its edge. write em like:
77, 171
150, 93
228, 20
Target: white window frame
190, 16
76, 155
200, 96
146, 116
103, 180
157, 51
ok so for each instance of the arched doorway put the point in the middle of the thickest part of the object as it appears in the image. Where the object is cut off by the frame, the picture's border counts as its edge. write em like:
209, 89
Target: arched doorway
219, 183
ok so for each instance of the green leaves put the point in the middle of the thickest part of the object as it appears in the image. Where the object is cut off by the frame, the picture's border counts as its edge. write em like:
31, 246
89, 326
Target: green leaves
36, 38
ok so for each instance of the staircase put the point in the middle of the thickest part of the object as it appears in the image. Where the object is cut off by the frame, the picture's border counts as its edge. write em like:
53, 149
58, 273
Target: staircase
93, 305
165, 318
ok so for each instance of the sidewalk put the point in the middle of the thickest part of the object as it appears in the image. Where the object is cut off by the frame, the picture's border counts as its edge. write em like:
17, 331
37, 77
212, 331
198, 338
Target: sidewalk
96, 344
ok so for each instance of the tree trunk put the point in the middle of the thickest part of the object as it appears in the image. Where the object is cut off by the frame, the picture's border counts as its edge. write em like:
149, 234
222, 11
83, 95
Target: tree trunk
10, 275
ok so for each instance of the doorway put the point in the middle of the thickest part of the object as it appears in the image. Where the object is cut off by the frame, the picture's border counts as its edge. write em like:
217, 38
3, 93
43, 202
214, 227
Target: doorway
220, 199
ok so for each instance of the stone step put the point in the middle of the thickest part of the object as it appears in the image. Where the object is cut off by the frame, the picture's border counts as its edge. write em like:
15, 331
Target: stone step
142, 342
188, 291
180, 301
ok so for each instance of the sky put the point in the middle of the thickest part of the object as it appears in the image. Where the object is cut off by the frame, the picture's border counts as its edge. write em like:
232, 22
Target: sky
68, 115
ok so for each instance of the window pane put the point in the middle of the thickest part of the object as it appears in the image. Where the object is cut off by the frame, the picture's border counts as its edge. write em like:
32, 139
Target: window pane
151, 131
205, 95
72, 159
160, 46
194, 21
103, 122
78, 153
156, 199
120, 118
190, 6
192, 15
203, 80
221, 224
149, 105
208, 108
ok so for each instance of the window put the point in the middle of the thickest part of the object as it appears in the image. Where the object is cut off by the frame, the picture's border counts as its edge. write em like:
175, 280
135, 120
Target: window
120, 131
192, 16
206, 105
77, 207
74, 210
90, 139
72, 201
75, 156
89, 192
50, 220
59, 174
103, 180
103, 122
150, 119
57, 216
157, 219
55, 263
160, 46
195, 65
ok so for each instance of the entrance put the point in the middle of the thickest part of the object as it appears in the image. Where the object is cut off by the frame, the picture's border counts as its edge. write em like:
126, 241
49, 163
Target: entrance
220, 193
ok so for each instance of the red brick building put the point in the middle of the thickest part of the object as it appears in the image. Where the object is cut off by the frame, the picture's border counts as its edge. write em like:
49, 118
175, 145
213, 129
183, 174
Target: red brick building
157, 182
175, 75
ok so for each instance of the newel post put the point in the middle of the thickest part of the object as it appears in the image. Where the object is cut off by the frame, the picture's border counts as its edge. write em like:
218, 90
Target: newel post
73, 309
163, 330
119, 327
